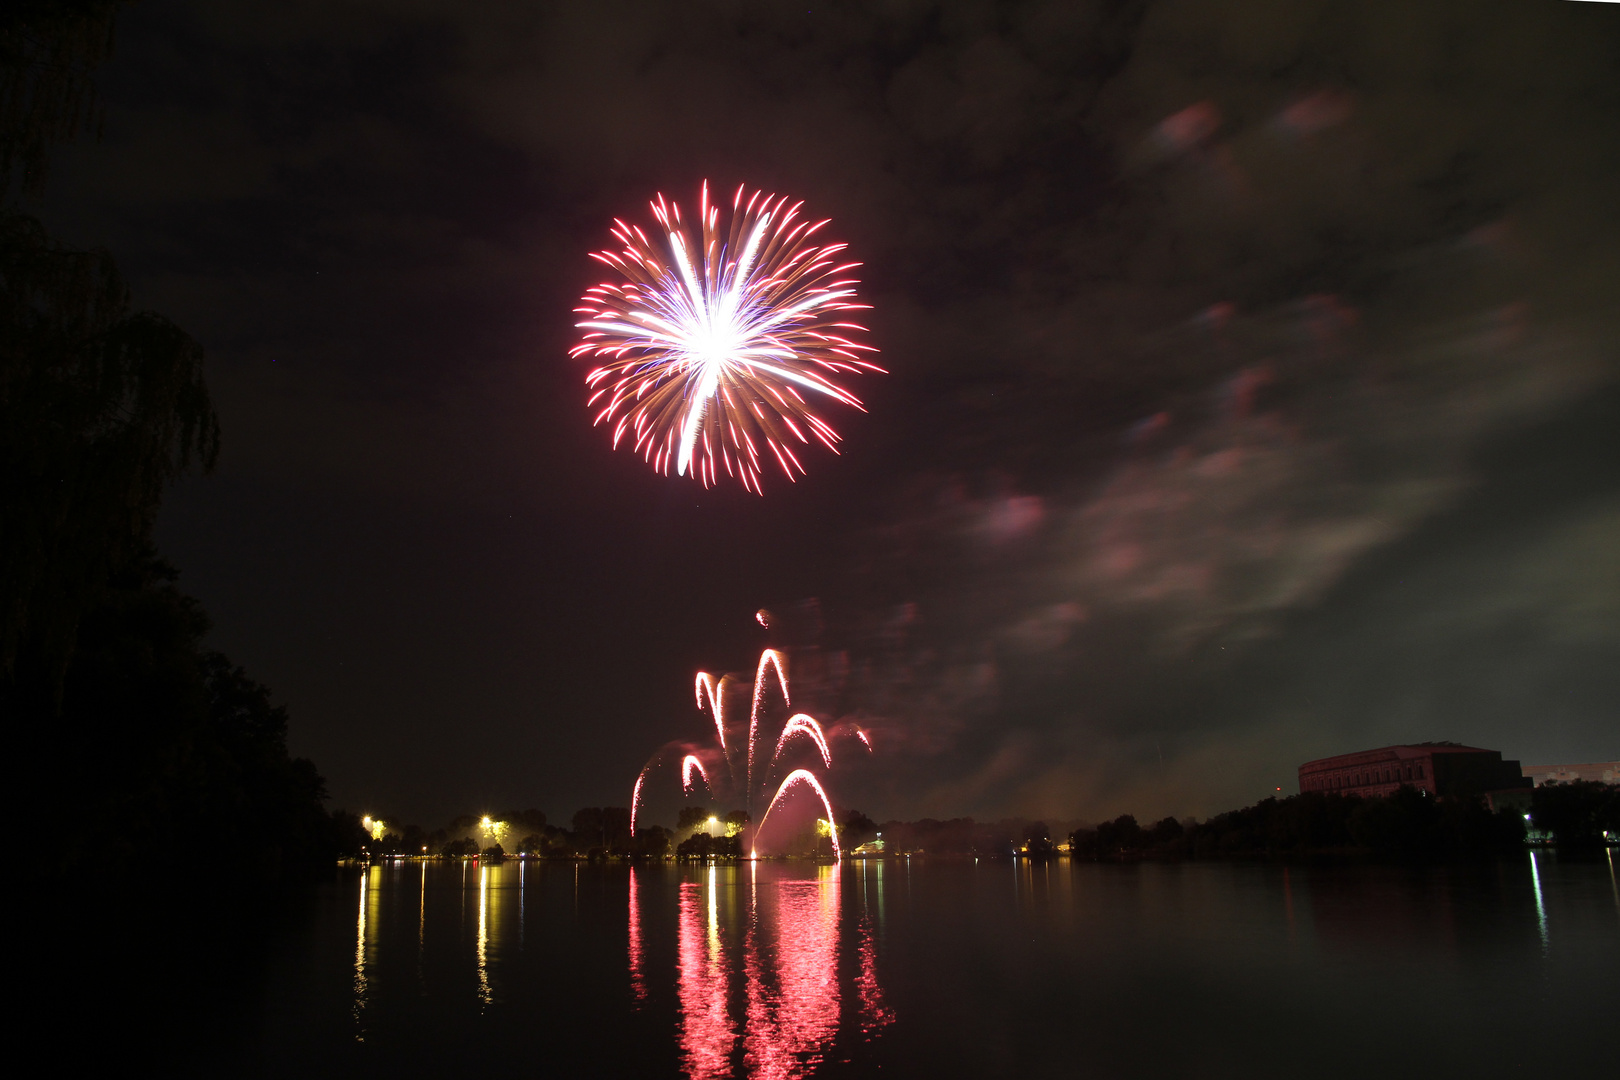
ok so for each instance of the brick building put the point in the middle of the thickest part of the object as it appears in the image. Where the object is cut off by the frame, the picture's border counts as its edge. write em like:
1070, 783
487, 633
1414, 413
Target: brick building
1440, 768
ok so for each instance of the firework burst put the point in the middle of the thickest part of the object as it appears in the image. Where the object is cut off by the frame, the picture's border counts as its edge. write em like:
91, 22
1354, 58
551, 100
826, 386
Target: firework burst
717, 344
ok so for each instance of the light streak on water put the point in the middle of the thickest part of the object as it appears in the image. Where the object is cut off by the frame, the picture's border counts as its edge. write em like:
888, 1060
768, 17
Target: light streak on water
484, 994
763, 984
872, 882
1613, 887
874, 1014
1541, 910
360, 988
714, 911
705, 1031
793, 1004
638, 978
421, 930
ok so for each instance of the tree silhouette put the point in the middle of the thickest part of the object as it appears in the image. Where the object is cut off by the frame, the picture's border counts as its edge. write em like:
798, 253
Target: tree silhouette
1577, 813
48, 51
146, 747
100, 409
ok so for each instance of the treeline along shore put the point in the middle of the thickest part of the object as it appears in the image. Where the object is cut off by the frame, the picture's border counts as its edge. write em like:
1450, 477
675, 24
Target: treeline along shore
1408, 825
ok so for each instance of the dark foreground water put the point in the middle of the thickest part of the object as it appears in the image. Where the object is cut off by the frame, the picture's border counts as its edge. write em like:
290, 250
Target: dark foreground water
936, 969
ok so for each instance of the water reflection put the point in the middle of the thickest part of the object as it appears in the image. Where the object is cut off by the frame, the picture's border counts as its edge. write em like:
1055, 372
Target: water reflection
787, 970
1407, 912
1541, 908
366, 893
484, 995
421, 932
638, 979
874, 1014
782, 954
706, 1031
792, 969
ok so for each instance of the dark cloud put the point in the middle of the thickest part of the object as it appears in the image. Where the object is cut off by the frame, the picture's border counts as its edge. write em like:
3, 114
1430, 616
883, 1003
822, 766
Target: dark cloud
1204, 322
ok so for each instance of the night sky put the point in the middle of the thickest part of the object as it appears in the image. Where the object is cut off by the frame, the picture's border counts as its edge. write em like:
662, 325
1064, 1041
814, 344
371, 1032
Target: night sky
1254, 385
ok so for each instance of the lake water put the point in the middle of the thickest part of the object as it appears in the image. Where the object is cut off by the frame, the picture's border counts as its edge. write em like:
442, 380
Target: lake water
936, 968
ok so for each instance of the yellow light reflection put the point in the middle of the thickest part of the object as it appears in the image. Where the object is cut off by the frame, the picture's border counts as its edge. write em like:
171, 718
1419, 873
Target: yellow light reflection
714, 913
367, 898
421, 929
483, 936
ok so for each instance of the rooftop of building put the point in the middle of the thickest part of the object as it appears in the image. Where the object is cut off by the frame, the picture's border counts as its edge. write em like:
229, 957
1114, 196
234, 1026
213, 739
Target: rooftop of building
1399, 750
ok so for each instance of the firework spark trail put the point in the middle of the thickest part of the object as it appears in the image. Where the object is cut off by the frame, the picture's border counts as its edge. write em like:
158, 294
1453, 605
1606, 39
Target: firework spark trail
689, 765
773, 658
801, 724
803, 776
850, 729
706, 341
706, 684
635, 796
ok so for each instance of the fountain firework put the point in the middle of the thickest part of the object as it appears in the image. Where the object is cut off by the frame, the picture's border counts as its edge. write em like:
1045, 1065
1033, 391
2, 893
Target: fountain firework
739, 771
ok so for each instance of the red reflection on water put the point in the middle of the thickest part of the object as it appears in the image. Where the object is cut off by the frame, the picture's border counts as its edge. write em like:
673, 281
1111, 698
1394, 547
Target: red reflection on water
789, 974
875, 1016
794, 937
706, 1031
638, 980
